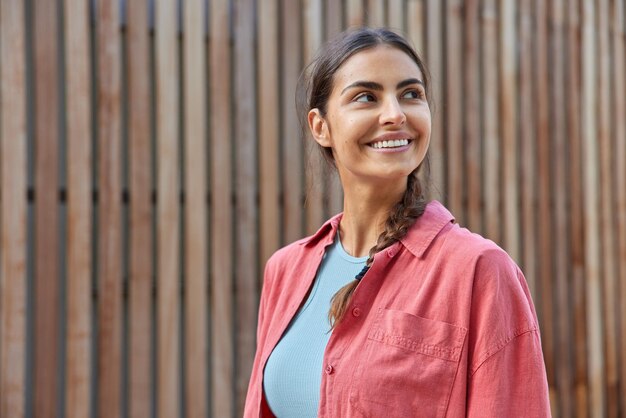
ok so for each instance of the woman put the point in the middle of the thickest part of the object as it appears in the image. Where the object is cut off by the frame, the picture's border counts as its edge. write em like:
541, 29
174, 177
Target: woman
390, 309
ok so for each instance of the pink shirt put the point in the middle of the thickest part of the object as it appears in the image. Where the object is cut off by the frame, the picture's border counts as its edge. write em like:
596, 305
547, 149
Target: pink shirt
442, 325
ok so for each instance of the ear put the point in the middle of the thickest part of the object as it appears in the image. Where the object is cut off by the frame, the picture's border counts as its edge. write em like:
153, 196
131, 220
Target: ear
319, 128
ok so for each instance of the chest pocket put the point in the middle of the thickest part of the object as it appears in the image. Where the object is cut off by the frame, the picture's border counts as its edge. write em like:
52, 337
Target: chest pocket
408, 368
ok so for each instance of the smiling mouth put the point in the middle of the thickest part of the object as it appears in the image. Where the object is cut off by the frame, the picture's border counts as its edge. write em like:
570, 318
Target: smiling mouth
393, 143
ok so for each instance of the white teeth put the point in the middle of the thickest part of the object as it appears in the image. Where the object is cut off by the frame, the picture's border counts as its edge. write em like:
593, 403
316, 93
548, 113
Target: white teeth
391, 143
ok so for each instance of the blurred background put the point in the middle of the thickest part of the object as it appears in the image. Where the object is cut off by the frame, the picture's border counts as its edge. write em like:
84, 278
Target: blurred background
151, 161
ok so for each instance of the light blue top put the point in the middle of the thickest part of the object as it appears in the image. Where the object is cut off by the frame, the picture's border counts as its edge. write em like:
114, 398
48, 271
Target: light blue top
293, 373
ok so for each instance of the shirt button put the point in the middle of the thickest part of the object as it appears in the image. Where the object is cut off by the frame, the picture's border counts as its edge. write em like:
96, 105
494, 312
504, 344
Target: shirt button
356, 312
390, 253
329, 369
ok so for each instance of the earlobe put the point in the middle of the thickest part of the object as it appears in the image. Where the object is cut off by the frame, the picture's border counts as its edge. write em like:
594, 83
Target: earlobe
318, 127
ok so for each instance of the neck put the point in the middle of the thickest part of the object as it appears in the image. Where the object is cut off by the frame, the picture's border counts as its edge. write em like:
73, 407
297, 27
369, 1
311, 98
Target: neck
365, 211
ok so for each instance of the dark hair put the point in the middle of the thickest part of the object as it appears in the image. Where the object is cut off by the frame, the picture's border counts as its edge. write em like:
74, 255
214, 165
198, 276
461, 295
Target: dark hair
314, 89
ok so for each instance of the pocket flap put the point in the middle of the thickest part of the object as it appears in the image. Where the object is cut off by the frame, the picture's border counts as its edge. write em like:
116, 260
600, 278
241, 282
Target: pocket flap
417, 334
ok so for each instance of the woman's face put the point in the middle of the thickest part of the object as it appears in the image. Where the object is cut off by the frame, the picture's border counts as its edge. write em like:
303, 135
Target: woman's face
378, 120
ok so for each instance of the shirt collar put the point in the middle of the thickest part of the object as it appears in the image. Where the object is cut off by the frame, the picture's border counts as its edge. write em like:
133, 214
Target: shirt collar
328, 230
426, 228
417, 240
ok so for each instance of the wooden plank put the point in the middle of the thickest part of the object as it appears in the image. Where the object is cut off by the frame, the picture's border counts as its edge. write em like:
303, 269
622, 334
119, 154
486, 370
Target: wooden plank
222, 336
527, 148
13, 208
79, 209
47, 280
376, 13
246, 243
589, 101
618, 14
315, 169
416, 28
196, 240
471, 115
355, 13
607, 210
269, 130
454, 109
563, 366
291, 145
109, 211
434, 60
491, 126
395, 13
333, 19
576, 242
544, 162
168, 211
141, 213
508, 126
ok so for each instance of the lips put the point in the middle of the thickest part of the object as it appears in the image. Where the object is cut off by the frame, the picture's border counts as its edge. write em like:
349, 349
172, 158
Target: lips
391, 143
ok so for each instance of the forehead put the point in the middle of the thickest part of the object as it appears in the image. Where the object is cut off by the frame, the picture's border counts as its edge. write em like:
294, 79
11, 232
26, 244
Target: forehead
382, 64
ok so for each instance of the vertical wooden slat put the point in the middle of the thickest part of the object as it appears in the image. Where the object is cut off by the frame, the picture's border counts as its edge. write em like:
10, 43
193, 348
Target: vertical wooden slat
415, 32
508, 118
109, 212
13, 209
291, 144
544, 162
416, 28
168, 210
355, 13
141, 235
79, 184
527, 149
454, 109
618, 14
491, 126
315, 169
376, 13
47, 278
560, 228
222, 337
333, 18
471, 122
607, 220
576, 241
246, 243
395, 14
595, 358
196, 244
269, 129
434, 60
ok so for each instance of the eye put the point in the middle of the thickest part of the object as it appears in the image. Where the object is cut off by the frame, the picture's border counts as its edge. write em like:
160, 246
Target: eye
365, 97
413, 94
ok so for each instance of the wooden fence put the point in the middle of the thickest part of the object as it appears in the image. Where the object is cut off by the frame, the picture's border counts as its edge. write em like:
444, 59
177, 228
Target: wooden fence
151, 162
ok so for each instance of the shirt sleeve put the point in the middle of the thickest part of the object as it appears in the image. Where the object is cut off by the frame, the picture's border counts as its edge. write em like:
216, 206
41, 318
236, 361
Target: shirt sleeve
512, 382
507, 376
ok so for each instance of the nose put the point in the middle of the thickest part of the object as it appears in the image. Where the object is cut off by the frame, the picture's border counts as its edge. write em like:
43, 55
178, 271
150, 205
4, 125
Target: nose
392, 113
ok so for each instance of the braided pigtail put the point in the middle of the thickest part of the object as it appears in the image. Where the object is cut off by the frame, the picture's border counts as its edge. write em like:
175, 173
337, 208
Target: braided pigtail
401, 217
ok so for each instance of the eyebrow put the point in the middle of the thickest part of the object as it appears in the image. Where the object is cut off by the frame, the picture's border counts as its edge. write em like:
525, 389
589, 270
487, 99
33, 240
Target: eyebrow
372, 85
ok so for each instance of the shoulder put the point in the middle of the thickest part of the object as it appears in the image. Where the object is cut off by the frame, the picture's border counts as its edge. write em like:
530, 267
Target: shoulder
466, 249
496, 283
296, 257
287, 254
493, 271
